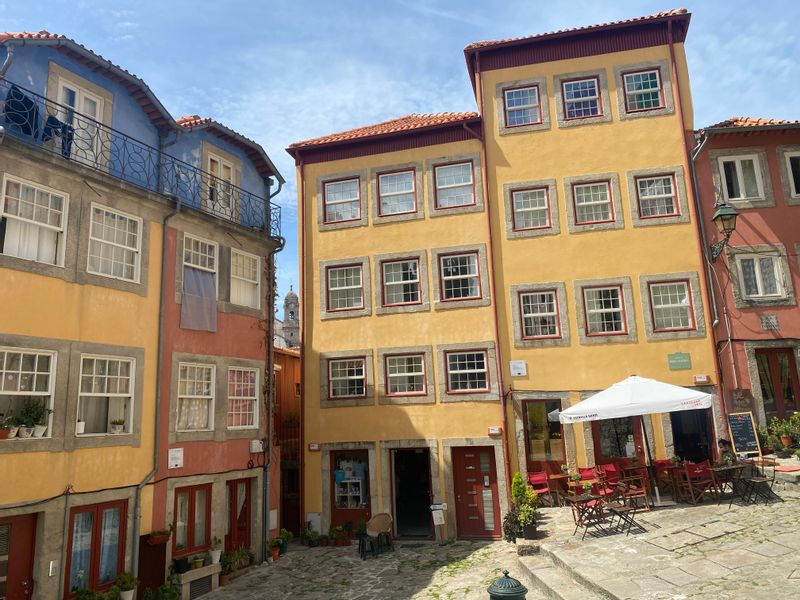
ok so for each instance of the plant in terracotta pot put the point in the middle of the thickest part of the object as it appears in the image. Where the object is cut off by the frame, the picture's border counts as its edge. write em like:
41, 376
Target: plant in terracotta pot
783, 429
275, 548
216, 550
7, 424
126, 583
160, 536
226, 561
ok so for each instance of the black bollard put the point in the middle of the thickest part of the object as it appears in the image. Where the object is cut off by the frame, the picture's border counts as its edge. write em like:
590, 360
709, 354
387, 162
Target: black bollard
506, 588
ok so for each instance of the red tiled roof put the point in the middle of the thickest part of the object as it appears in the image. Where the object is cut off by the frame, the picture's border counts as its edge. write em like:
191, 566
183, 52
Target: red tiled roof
27, 35
745, 122
193, 121
562, 32
403, 124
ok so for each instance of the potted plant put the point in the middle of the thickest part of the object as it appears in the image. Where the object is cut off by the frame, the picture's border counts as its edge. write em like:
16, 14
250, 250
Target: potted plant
676, 460
527, 519
80, 426
126, 583
783, 429
117, 426
215, 553
160, 536
565, 469
323, 540
285, 535
181, 564
274, 548
797, 454
313, 538
33, 413
197, 561
587, 488
520, 521
773, 444
7, 424
226, 561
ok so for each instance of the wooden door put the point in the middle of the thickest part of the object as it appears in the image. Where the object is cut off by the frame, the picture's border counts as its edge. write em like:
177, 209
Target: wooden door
350, 495
17, 543
475, 482
618, 440
777, 374
544, 443
239, 509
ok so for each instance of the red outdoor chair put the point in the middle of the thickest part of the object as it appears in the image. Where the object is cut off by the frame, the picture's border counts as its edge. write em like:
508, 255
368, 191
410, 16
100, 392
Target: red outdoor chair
663, 477
609, 486
540, 483
700, 482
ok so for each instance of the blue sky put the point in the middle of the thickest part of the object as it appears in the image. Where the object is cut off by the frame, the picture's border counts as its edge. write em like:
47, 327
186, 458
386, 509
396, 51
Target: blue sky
280, 71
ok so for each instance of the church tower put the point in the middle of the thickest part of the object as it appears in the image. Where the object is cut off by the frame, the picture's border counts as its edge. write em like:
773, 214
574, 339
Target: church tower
291, 319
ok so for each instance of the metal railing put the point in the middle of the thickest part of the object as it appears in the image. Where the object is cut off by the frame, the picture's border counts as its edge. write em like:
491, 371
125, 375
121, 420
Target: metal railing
64, 131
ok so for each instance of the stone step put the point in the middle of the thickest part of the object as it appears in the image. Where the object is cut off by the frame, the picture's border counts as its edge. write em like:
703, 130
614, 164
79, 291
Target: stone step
554, 582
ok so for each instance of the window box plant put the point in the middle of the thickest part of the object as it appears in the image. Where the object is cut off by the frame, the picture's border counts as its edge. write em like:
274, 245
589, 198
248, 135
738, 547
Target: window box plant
159, 537
126, 583
8, 426
117, 426
215, 553
33, 419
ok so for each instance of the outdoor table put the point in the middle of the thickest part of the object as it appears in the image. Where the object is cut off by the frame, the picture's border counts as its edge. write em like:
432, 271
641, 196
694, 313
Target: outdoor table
560, 480
587, 511
729, 475
578, 485
626, 516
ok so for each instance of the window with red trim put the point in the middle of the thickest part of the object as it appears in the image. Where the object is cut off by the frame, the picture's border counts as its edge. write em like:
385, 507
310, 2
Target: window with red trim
345, 288
467, 371
192, 519
656, 196
522, 106
454, 185
397, 193
582, 98
342, 200
531, 209
460, 279
347, 378
592, 203
96, 546
605, 311
671, 303
539, 314
405, 375
643, 91
401, 282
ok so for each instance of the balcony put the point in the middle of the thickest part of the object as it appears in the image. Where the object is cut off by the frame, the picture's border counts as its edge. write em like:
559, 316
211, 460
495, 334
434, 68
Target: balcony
63, 131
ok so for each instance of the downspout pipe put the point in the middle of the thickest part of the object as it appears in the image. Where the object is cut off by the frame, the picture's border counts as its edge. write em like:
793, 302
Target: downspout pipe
492, 272
159, 374
302, 341
9, 59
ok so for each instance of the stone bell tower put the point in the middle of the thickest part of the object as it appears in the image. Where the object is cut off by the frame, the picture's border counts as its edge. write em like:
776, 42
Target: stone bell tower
291, 319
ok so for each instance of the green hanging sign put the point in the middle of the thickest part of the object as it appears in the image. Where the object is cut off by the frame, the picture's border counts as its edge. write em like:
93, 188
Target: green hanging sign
679, 361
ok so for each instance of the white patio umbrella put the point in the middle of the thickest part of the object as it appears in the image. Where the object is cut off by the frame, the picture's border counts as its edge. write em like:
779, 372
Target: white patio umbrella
634, 397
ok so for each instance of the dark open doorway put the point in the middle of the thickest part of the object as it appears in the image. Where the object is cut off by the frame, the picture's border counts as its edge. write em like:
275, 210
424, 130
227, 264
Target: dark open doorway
691, 431
412, 492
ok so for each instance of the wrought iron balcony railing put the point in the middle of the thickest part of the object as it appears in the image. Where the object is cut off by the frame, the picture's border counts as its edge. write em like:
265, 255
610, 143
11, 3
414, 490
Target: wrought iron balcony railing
63, 130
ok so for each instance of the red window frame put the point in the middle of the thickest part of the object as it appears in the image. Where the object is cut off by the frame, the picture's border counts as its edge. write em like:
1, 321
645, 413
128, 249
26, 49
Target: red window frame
612, 215
600, 106
514, 212
190, 547
436, 186
447, 371
328, 288
383, 283
693, 324
97, 523
477, 274
413, 172
328, 378
660, 90
505, 104
386, 375
677, 212
522, 316
623, 308
325, 220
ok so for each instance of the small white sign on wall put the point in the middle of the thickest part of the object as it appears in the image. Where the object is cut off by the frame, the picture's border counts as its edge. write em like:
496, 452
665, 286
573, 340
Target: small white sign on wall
519, 368
438, 517
175, 458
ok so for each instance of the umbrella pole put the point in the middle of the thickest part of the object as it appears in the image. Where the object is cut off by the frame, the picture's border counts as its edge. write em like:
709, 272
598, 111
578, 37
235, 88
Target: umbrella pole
649, 458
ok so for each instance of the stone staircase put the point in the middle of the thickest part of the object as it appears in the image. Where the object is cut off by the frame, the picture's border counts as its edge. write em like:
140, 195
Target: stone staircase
555, 581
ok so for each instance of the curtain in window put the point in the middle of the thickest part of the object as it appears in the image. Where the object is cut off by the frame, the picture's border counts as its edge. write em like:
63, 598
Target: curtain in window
109, 545
193, 414
94, 411
244, 293
241, 496
200, 518
199, 303
81, 556
181, 521
29, 241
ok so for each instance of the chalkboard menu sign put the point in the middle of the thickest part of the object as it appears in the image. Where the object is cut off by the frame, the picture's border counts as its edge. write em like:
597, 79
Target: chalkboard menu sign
743, 433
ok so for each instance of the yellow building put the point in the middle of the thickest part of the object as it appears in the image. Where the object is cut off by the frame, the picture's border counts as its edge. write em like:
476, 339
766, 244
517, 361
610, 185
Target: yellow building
468, 276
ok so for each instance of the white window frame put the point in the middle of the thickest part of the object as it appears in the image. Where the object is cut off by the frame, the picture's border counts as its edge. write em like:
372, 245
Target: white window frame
737, 160
137, 250
382, 194
130, 395
331, 379
554, 314
450, 372
688, 308
793, 191
608, 201
471, 183
596, 97
405, 374
537, 106
516, 212
587, 311
636, 93
211, 398
215, 270
254, 398
329, 289
47, 396
326, 203
221, 186
777, 269
257, 280
674, 196
386, 286
476, 276
81, 92
61, 231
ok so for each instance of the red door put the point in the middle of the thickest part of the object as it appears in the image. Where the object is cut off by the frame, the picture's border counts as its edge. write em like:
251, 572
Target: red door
618, 440
239, 509
475, 483
350, 487
777, 374
17, 543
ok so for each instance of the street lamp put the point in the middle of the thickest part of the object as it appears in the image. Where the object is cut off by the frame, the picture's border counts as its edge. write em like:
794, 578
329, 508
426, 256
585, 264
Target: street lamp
725, 220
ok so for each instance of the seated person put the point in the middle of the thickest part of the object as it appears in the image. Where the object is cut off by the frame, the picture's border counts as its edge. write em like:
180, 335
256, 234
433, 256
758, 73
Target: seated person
726, 453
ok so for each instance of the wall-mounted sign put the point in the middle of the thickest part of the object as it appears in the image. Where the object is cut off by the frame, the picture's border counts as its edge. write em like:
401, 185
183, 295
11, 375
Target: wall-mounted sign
175, 458
313, 447
678, 361
519, 368
438, 517
495, 430
701, 379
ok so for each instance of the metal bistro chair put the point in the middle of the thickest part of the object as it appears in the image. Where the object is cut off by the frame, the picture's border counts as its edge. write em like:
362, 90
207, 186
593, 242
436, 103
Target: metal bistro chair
760, 485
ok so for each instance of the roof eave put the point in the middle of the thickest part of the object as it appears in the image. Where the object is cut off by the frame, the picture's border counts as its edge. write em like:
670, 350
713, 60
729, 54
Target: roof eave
749, 128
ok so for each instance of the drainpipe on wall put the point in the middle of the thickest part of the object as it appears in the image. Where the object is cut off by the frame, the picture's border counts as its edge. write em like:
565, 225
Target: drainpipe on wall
492, 277
9, 59
302, 341
159, 373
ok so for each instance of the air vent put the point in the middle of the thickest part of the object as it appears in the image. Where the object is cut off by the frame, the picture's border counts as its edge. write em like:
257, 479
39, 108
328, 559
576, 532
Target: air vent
198, 587
5, 539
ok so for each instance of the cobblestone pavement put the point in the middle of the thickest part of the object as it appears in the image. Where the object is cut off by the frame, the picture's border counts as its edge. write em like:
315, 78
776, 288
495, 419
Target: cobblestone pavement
700, 552
415, 570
